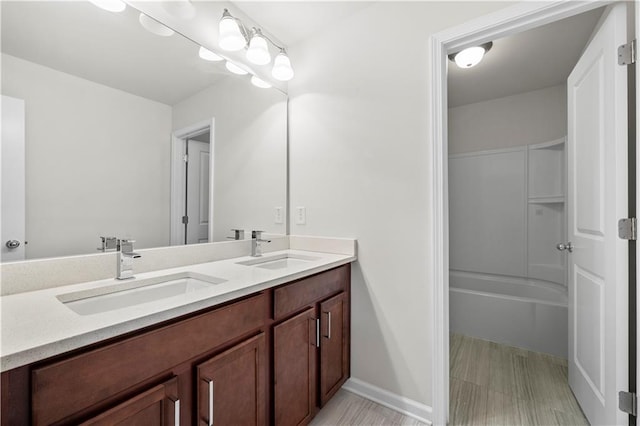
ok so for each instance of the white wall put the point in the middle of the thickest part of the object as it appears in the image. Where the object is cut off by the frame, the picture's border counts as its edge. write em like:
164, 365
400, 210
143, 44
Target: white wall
78, 133
360, 164
518, 120
250, 158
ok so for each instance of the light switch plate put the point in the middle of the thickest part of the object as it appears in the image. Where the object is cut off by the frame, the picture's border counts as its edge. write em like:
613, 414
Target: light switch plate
301, 216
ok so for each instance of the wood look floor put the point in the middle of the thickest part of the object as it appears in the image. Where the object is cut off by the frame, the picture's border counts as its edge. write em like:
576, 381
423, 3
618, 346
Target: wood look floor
493, 384
347, 408
490, 384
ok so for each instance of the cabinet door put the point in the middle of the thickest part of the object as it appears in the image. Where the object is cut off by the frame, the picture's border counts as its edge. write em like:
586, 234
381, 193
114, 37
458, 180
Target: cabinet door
294, 358
334, 350
232, 386
157, 406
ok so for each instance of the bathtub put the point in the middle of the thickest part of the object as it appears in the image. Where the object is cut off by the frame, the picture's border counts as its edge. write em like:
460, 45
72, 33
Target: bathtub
514, 311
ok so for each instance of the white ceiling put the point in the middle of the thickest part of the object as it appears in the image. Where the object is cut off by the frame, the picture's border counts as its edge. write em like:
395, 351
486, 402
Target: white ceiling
535, 59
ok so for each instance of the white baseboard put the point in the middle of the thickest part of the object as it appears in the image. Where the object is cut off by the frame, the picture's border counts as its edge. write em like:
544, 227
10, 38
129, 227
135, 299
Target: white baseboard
406, 406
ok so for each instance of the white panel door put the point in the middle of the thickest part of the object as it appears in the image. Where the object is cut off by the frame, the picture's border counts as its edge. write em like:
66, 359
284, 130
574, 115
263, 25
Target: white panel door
12, 227
597, 197
198, 192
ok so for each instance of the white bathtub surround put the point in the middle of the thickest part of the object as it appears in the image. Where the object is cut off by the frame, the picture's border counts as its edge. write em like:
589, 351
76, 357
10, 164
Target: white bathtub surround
516, 312
36, 325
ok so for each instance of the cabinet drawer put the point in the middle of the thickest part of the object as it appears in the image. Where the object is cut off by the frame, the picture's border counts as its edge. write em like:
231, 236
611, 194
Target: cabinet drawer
75, 384
293, 297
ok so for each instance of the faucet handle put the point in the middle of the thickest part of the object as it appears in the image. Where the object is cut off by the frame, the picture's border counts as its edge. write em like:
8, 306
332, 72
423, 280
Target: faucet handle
238, 234
108, 243
125, 245
256, 234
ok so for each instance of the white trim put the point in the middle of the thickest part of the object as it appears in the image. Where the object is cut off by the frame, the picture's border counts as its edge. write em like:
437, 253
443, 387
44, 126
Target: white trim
520, 17
177, 177
403, 405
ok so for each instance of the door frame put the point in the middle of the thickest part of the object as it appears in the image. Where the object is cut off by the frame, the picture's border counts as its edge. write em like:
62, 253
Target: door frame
178, 139
508, 21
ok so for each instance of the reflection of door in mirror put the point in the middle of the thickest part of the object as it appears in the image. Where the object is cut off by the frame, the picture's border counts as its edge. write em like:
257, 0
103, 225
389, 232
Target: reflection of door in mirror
192, 183
13, 181
197, 190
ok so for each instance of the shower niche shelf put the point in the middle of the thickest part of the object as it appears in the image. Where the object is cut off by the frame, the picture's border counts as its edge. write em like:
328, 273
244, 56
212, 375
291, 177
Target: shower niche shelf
546, 215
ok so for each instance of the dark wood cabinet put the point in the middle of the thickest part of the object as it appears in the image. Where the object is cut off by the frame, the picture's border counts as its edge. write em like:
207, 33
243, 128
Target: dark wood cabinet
294, 369
334, 345
274, 357
232, 386
311, 348
158, 406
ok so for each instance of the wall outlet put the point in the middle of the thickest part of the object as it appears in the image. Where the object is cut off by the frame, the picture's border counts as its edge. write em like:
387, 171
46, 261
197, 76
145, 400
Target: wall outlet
279, 216
301, 216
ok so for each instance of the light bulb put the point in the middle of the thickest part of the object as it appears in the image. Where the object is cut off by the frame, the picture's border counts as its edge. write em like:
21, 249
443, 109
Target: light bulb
258, 52
230, 36
208, 55
259, 82
110, 5
154, 26
236, 69
469, 57
282, 67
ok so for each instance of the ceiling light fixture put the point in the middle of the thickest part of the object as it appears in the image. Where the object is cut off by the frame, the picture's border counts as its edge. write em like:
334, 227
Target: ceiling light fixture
236, 69
154, 26
183, 9
470, 56
208, 55
110, 5
259, 82
234, 36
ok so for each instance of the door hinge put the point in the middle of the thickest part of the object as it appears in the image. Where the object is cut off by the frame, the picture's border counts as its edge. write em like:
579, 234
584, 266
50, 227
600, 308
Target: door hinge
185, 158
627, 53
185, 219
628, 228
628, 402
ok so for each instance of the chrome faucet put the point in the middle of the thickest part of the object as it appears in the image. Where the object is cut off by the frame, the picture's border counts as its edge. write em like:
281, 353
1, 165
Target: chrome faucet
256, 243
125, 259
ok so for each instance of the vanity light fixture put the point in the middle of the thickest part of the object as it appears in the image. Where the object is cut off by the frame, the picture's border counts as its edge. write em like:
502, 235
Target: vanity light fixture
234, 36
470, 56
259, 82
236, 69
208, 55
258, 51
282, 67
110, 5
231, 33
154, 27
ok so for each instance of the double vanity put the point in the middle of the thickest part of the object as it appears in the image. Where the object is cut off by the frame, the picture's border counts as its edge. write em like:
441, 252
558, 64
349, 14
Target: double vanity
249, 340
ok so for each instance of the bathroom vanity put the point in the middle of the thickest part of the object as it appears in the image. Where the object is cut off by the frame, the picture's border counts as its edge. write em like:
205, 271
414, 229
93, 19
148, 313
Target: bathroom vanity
272, 348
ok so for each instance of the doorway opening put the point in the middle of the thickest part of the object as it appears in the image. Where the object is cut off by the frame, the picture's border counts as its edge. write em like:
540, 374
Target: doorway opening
192, 184
527, 203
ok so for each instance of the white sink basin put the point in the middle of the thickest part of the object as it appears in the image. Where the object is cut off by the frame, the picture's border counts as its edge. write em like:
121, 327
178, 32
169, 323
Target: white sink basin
136, 292
279, 261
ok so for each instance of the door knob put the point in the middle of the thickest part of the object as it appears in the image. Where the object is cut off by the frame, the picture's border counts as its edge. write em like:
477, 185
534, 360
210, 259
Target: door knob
13, 244
563, 247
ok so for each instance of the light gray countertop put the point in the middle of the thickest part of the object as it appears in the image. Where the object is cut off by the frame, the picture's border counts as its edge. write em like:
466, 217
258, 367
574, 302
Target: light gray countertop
37, 325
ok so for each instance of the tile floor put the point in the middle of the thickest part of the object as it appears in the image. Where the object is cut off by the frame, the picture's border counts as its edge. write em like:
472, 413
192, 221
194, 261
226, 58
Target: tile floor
493, 384
490, 384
